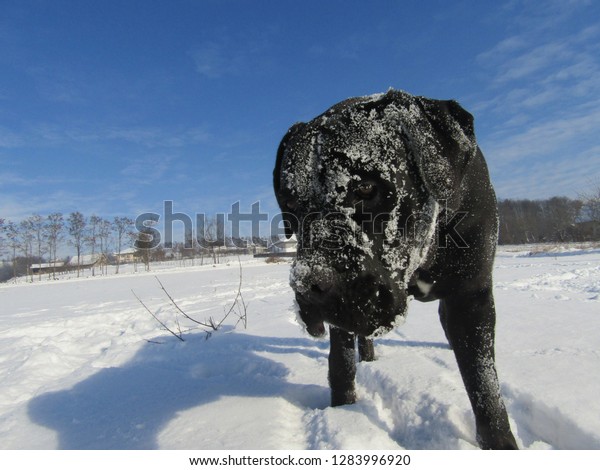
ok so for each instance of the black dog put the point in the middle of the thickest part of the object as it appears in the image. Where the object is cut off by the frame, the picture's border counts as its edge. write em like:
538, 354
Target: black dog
390, 197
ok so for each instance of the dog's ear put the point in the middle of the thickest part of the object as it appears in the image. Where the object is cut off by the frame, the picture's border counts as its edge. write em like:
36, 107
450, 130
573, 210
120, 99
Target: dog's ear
441, 140
446, 148
288, 219
292, 131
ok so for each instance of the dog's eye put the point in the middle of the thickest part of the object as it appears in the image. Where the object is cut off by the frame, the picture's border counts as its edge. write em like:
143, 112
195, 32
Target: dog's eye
365, 190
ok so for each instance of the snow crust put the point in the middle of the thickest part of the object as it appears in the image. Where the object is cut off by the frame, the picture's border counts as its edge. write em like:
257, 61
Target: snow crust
84, 366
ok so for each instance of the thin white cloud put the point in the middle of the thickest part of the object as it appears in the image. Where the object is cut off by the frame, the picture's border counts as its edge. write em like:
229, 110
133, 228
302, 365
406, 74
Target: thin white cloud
544, 138
17, 206
149, 169
11, 178
529, 63
544, 53
9, 139
102, 198
229, 54
212, 60
8, 178
58, 85
146, 136
49, 134
544, 84
539, 179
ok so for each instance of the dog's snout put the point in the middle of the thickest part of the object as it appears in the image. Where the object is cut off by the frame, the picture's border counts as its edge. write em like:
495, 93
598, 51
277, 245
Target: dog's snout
321, 281
312, 281
322, 286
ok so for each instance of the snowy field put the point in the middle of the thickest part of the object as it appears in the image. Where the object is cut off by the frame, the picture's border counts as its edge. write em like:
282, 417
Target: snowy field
85, 366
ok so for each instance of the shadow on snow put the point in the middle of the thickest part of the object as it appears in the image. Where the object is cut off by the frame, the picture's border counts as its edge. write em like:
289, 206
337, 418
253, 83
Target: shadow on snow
126, 407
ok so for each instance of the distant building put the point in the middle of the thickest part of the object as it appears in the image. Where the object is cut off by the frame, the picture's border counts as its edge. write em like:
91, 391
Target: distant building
87, 261
44, 268
284, 246
126, 256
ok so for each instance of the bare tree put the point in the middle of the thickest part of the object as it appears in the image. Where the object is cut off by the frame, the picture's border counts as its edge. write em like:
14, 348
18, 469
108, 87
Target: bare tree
561, 215
14, 243
144, 244
134, 238
36, 224
211, 235
92, 238
76, 225
27, 235
122, 227
54, 228
2, 230
104, 233
591, 209
550, 220
187, 249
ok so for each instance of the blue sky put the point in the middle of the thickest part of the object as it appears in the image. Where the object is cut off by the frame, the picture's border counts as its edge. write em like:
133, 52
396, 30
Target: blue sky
112, 107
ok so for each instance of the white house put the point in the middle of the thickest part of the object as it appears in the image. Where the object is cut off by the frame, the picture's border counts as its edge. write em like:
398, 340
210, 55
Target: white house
126, 256
43, 268
87, 261
284, 246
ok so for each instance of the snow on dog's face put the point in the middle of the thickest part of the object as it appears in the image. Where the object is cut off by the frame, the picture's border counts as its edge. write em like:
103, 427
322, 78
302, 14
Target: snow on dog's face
350, 186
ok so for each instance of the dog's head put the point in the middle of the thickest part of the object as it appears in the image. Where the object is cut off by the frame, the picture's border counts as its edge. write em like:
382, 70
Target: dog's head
361, 186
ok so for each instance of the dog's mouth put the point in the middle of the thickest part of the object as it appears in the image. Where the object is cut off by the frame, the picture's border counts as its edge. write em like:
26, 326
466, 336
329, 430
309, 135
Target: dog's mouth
317, 330
362, 307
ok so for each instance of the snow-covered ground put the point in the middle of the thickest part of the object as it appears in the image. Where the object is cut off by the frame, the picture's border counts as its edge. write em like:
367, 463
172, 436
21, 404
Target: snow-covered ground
85, 366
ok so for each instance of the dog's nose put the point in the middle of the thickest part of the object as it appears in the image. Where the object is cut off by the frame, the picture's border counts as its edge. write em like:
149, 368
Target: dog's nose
321, 286
312, 280
321, 281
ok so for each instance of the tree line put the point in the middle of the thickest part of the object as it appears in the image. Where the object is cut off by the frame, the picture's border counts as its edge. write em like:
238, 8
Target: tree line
555, 220
37, 239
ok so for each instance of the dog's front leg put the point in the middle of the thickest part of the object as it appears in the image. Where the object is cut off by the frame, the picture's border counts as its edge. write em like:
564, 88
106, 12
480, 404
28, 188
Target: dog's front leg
366, 350
470, 323
342, 367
